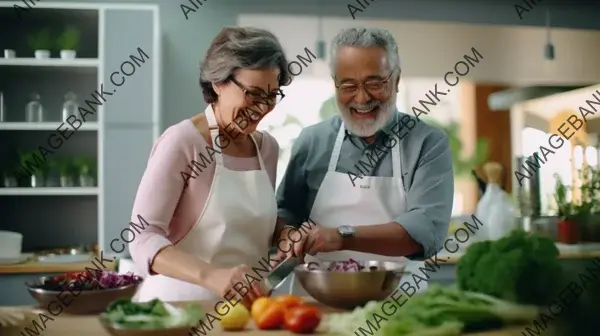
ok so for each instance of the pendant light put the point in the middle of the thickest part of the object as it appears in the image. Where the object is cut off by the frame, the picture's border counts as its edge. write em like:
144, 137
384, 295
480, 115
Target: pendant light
549, 54
321, 45
320, 64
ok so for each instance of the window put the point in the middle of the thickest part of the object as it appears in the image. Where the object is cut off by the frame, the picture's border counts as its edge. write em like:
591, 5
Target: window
558, 163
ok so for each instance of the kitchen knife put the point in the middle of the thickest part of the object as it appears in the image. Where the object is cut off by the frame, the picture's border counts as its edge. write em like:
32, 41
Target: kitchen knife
279, 273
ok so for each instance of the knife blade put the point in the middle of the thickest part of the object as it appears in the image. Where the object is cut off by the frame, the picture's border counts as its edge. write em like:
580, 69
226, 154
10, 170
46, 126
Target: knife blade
279, 273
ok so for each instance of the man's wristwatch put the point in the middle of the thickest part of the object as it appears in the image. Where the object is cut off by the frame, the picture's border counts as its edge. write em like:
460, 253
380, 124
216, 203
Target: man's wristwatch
346, 231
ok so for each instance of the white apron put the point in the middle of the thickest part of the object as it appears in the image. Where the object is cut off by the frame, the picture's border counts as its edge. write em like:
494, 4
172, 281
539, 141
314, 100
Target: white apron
374, 200
235, 227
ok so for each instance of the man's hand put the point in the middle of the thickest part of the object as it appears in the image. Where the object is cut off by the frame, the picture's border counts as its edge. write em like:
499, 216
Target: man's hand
309, 239
323, 240
291, 244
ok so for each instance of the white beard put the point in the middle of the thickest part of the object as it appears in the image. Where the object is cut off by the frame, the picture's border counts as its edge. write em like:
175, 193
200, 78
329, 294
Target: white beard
368, 127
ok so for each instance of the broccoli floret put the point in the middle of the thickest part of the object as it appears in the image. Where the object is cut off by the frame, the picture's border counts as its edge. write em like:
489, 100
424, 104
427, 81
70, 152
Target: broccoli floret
520, 267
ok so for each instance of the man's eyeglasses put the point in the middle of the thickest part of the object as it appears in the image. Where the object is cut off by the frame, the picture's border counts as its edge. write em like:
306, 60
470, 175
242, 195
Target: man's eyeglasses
259, 97
373, 86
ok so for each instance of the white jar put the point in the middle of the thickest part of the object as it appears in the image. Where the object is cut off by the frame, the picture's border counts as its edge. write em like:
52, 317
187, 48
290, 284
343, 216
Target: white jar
10, 244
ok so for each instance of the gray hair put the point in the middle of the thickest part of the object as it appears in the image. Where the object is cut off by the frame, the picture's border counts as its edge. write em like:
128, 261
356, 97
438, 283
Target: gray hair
366, 37
241, 47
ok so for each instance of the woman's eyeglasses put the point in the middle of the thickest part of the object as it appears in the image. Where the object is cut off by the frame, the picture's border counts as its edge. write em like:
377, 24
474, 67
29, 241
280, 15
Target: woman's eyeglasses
374, 86
258, 97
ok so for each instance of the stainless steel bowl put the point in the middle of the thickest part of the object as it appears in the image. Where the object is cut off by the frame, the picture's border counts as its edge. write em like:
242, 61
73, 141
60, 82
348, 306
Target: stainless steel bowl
86, 302
347, 290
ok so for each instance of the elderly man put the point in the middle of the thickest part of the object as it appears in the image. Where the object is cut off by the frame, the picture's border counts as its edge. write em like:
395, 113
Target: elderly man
372, 183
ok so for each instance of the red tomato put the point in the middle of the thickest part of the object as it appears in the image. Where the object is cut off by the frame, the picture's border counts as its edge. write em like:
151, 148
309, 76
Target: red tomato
303, 319
271, 317
288, 301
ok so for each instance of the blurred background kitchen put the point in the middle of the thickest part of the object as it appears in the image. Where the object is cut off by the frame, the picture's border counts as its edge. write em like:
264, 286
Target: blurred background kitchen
538, 67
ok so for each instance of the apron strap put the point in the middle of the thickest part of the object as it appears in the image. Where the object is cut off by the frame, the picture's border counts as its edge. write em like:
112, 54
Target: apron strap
214, 135
260, 159
396, 167
337, 147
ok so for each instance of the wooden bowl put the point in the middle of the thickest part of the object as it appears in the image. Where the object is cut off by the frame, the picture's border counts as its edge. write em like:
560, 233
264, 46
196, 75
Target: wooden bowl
85, 303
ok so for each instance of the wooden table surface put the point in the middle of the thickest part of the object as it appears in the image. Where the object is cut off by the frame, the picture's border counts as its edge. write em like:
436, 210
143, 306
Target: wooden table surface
65, 325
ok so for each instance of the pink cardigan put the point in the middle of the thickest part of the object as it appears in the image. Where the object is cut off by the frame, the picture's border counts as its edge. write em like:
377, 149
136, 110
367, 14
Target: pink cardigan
164, 203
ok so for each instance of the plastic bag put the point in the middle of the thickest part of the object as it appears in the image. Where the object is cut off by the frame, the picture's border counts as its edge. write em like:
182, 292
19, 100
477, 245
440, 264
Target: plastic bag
497, 213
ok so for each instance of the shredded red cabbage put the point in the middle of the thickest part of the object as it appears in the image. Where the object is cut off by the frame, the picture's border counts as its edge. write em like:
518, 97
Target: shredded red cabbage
110, 279
346, 266
339, 266
91, 280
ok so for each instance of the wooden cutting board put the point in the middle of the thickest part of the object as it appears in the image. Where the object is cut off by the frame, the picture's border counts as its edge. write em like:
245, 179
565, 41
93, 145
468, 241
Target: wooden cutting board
89, 325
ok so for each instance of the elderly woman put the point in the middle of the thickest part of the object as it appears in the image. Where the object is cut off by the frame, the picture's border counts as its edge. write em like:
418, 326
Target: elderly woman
207, 194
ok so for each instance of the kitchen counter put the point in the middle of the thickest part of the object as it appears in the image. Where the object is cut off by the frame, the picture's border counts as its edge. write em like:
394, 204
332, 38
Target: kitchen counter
13, 277
89, 325
13, 292
580, 251
33, 266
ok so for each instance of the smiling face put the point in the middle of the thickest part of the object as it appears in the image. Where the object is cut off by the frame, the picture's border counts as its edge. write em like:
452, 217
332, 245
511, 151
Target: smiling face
246, 98
366, 94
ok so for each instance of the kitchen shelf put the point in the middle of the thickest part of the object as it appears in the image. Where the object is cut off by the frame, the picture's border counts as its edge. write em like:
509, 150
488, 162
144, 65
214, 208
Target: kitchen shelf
50, 62
118, 137
43, 126
43, 191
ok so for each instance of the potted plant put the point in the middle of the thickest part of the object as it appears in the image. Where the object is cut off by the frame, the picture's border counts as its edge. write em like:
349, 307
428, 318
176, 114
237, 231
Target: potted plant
66, 172
86, 170
590, 194
9, 53
8, 179
51, 177
68, 42
569, 214
35, 177
41, 43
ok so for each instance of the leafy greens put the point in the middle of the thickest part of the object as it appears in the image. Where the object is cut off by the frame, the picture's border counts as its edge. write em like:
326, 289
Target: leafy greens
520, 267
440, 311
155, 314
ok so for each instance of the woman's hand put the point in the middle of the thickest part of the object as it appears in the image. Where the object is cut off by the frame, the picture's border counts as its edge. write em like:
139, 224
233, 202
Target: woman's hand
231, 284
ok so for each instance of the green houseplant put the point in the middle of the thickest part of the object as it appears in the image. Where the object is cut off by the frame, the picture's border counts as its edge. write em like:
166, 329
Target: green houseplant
33, 167
86, 171
570, 215
8, 177
68, 42
41, 43
51, 178
590, 204
66, 171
